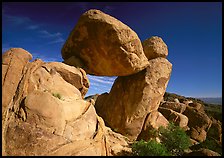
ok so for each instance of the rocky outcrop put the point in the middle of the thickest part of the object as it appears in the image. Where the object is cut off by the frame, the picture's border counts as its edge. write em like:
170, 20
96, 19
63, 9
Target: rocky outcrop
47, 115
101, 36
152, 122
75, 76
175, 117
178, 107
202, 152
199, 123
155, 47
133, 97
215, 131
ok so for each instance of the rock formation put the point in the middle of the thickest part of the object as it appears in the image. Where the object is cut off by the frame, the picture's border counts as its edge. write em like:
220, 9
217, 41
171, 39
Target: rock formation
175, 117
43, 111
155, 47
133, 97
152, 122
101, 36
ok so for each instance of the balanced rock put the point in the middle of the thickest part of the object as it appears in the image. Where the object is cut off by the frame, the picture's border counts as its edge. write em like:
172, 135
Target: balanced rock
47, 115
133, 97
155, 47
103, 45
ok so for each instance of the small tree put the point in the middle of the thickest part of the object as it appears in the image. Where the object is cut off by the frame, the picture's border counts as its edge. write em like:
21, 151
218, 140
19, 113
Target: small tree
150, 148
175, 139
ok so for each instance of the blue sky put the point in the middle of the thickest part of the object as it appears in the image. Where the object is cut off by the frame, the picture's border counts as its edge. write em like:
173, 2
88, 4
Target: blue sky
192, 31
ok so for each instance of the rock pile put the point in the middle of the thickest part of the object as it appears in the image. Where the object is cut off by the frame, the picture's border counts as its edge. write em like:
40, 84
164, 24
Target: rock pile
43, 107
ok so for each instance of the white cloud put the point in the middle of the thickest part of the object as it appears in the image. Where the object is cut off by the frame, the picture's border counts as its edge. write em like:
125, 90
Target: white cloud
103, 80
58, 40
33, 27
16, 20
46, 34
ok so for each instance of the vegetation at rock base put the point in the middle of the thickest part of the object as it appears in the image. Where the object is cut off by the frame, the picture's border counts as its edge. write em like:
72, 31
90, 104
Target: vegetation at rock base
57, 95
150, 148
174, 141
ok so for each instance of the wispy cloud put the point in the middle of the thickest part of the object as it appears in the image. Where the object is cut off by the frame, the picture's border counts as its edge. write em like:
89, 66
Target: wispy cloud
102, 80
53, 37
58, 40
16, 20
33, 27
46, 34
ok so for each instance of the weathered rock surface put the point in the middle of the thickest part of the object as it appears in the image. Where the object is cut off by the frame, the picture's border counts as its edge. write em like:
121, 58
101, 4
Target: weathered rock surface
173, 116
133, 97
13, 59
178, 107
199, 123
75, 76
153, 121
47, 115
103, 45
215, 131
155, 47
202, 152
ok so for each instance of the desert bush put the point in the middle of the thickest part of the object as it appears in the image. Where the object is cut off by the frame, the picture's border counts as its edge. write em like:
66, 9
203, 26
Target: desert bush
150, 148
174, 141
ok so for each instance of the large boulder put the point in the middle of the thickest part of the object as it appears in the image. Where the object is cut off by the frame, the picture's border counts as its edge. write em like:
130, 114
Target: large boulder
155, 47
152, 122
48, 116
215, 131
13, 59
133, 97
75, 76
103, 45
202, 152
178, 107
199, 123
175, 117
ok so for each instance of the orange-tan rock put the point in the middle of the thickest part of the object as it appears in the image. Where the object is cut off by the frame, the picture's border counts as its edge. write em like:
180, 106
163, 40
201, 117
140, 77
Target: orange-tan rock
103, 45
47, 114
178, 107
173, 116
199, 123
152, 122
133, 97
155, 47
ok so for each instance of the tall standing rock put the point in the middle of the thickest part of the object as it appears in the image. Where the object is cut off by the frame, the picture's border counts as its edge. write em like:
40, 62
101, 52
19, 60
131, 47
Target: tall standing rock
104, 46
133, 97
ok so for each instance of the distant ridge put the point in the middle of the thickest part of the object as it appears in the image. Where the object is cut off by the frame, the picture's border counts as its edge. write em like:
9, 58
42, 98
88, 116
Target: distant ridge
217, 100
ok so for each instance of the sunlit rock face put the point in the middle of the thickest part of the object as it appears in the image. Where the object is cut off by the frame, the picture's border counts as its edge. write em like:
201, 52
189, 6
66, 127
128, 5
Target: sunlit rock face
104, 46
133, 97
43, 111
155, 47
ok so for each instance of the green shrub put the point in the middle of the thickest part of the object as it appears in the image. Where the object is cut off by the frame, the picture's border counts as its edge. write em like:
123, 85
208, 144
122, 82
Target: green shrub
57, 95
150, 148
175, 139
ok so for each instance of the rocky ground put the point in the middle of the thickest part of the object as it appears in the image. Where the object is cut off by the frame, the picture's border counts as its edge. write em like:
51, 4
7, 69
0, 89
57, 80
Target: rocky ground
45, 112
